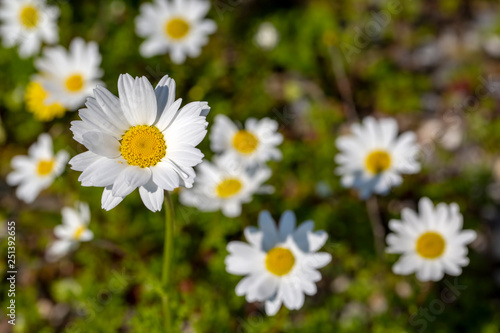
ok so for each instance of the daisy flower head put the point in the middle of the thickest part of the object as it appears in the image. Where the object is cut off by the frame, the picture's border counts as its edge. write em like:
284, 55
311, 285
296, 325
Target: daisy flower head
143, 139
225, 185
28, 23
373, 158
37, 171
280, 264
72, 231
431, 242
69, 76
178, 27
255, 144
267, 37
36, 102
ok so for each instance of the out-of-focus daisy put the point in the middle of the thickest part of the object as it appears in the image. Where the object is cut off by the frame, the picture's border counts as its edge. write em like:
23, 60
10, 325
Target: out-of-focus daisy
28, 23
225, 184
36, 97
72, 231
178, 27
255, 144
140, 140
373, 157
432, 243
280, 264
267, 36
37, 171
69, 77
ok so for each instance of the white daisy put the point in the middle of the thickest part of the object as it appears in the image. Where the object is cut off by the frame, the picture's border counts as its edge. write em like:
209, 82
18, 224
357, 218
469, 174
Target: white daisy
373, 157
28, 23
35, 97
140, 140
69, 77
37, 171
281, 264
178, 27
255, 144
72, 231
432, 243
267, 37
225, 184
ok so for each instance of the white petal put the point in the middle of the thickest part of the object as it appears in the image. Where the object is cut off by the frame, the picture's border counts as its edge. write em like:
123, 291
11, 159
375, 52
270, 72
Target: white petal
70, 217
58, 249
111, 106
165, 176
316, 240
63, 232
103, 172
152, 196
42, 149
82, 161
290, 294
129, 179
102, 144
231, 208
86, 236
28, 191
168, 115
185, 155
272, 306
253, 236
467, 236
137, 100
318, 260
407, 264
165, 93
109, 201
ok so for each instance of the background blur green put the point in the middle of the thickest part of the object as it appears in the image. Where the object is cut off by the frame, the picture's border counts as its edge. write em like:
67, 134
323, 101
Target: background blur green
432, 65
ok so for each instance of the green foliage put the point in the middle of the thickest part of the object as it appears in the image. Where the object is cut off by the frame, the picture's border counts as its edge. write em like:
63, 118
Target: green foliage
112, 283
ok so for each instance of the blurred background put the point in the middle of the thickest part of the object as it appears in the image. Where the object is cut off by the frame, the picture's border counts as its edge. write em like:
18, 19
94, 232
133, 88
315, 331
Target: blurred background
315, 66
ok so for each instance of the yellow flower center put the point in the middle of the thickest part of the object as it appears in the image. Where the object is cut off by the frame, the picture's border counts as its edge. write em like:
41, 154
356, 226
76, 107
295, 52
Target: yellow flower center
279, 261
143, 146
45, 167
245, 142
430, 245
35, 96
74, 83
378, 161
29, 17
228, 187
177, 28
78, 232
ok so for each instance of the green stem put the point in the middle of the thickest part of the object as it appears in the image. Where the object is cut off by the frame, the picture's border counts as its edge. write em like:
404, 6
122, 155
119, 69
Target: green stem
167, 260
377, 227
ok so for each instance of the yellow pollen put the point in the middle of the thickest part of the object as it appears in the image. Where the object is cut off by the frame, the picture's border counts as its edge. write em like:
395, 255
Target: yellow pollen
29, 17
378, 161
45, 167
430, 245
74, 83
78, 232
177, 28
245, 142
279, 261
143, 146
228, 187
35, 97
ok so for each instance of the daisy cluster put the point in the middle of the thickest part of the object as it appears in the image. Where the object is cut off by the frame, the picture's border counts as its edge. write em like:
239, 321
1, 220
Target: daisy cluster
372, 160
65, 80
239, 170
145, 139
